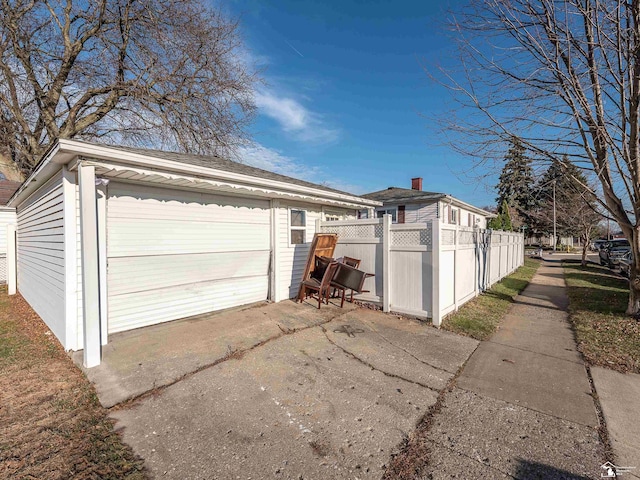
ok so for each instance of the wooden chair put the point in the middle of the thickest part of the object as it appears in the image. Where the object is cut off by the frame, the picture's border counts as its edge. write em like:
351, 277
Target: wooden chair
347, 277
321, 287
352, 262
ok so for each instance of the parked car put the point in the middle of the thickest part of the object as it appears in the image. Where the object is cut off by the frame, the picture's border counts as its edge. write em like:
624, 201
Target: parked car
604, 250
596, 245
613, 251
625, 264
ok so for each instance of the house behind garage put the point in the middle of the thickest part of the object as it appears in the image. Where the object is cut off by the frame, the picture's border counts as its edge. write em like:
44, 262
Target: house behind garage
415, 205
7, 217
111, 238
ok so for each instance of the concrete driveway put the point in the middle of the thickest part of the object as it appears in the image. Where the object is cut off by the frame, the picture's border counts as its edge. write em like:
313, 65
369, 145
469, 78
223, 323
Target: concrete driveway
327, 393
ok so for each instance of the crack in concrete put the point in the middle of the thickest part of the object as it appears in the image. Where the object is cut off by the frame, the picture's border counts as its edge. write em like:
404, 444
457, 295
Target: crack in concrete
364, 362
411, 456
404, 350
232, 355
453, 450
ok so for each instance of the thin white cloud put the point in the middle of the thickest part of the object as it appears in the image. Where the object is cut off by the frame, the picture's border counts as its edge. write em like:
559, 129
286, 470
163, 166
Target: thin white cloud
272, 160
294, 118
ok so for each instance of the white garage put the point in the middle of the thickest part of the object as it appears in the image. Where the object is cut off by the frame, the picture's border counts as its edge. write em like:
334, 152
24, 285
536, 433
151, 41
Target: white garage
124, 238
173, 254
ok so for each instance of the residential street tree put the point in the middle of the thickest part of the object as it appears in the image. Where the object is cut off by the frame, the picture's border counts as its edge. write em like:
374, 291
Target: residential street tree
515, 185
564, 77
576, 208
162, 73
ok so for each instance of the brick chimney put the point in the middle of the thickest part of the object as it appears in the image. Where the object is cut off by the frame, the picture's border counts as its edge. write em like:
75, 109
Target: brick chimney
416, 183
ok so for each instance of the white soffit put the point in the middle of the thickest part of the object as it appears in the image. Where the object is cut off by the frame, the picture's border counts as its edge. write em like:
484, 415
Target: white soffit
132, 174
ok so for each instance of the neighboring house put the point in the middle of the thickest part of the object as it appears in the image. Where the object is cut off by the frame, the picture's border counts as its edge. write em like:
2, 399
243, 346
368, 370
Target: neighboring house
7, 217
414, 205
113, 238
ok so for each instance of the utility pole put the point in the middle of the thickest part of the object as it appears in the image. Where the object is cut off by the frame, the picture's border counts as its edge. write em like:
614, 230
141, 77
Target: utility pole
554, 216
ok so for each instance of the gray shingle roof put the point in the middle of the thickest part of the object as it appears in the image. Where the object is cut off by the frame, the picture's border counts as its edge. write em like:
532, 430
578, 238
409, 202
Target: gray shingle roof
7, 189
218, 163
395, 194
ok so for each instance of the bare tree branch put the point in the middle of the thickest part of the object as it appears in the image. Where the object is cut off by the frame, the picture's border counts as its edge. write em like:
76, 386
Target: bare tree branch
564, 77
167, 73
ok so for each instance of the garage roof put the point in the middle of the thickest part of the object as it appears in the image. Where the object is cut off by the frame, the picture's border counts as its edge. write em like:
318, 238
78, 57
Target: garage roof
211, 161
179, 169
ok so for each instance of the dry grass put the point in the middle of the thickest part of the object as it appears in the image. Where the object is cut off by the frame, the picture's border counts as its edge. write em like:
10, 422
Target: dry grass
480, 317
51, 424
597, 302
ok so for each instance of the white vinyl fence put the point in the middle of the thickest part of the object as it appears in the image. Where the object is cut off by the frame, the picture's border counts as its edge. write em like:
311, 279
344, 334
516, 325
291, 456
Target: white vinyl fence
426, 269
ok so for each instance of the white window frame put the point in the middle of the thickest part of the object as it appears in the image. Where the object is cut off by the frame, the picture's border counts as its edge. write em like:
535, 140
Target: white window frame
291, 227
393, 211
454, 216
331, 217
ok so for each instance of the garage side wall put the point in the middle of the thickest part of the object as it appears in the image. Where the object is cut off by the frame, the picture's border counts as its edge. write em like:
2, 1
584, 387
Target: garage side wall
291, 259
40, 252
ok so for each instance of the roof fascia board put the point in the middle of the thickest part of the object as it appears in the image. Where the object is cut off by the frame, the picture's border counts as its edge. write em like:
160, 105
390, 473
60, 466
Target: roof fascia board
262, 191
411, 200
460, 203
51, 162
121, 156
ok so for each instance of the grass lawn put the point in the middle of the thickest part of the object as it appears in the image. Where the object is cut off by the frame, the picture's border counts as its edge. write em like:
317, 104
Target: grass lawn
51, 424
480, 317
597, 302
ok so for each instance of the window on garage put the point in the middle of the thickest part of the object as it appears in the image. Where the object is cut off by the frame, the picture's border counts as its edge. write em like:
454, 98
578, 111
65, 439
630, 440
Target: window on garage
297, 227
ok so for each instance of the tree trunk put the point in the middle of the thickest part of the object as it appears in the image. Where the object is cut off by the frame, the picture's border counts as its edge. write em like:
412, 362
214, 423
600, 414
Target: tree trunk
585, 246
633, 308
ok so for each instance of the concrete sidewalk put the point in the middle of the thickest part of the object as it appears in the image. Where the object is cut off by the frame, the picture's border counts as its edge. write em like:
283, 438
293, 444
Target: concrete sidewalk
619, 396
522, 407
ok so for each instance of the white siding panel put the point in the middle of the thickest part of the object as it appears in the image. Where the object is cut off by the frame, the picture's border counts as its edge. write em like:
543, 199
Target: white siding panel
293, 258
40, 251
80, 339
7, 217
142, 309
173, 254
421, 213
151, 271
171, 237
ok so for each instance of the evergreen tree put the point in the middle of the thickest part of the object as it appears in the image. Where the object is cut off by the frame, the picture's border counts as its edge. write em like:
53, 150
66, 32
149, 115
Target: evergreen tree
516, 184
503, 220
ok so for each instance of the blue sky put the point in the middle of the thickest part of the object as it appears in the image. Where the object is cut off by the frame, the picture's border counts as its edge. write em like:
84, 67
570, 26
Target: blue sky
346, 100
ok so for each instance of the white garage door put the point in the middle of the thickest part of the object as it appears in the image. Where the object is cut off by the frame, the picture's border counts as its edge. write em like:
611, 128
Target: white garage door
173, 254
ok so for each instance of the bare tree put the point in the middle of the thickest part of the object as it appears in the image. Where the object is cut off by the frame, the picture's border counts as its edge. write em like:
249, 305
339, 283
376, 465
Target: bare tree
564, 77
168, 73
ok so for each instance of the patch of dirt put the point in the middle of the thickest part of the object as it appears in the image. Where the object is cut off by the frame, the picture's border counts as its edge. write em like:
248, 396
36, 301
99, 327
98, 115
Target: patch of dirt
51, 423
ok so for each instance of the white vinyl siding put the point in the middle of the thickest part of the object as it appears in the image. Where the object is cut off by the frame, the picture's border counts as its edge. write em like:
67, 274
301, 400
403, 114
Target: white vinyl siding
7, 217
80, 329
293, 258
173, 254
40, 252
420, 213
